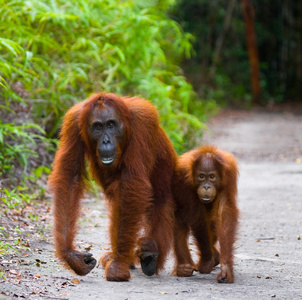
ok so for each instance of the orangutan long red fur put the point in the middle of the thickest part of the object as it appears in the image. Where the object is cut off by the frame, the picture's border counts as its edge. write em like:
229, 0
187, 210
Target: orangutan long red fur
137, 186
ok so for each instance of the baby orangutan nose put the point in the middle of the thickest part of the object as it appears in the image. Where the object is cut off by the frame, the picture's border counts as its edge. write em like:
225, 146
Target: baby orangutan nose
206, 186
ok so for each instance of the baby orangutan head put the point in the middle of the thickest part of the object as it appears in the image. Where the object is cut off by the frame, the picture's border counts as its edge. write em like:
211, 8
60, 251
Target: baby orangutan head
207, 177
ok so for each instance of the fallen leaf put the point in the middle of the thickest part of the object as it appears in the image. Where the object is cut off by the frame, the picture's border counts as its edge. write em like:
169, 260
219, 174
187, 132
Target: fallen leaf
65, 294
6, 262
273, 296
163, 293
75, 281
268, 277
87, 247
15, 212
14, 272
258, 276
37, 275
277, 255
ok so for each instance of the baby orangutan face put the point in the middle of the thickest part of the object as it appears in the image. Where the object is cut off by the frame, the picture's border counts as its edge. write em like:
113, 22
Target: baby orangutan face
207, 178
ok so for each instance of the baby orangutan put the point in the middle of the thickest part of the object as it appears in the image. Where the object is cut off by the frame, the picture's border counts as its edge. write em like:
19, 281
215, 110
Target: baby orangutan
205, 191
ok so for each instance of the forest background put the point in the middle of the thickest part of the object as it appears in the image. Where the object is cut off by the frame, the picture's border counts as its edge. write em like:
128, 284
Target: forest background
189, 57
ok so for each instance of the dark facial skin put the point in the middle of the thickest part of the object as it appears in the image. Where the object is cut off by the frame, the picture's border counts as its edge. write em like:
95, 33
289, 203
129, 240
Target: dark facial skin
107, 134
207, 179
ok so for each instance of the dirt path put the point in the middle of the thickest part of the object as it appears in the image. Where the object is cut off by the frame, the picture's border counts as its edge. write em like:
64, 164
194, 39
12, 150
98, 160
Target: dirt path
268, 260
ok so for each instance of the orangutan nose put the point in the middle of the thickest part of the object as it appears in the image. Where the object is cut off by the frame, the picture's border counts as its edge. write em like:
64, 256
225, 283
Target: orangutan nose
206, 186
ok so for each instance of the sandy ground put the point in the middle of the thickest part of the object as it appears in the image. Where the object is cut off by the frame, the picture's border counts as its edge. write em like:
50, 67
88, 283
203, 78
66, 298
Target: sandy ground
268, 260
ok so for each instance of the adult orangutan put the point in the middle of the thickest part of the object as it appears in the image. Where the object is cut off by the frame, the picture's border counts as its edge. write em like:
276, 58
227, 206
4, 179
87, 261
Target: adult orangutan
205, 190
131, 157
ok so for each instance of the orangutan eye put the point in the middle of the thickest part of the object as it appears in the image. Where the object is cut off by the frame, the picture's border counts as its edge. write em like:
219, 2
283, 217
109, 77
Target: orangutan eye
110, 124
97, 125
212, 176
201, 176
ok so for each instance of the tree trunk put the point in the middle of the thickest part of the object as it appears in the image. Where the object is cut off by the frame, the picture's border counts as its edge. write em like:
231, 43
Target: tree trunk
251, 40
220, 39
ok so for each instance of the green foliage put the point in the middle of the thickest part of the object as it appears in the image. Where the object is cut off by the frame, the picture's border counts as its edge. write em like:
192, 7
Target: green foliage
15, 198
16, 144
40, 170
62, 51
4, 250
10, 199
